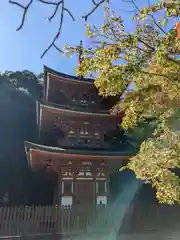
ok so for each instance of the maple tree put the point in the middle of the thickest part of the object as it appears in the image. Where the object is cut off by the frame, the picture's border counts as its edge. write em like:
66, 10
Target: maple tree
148, 58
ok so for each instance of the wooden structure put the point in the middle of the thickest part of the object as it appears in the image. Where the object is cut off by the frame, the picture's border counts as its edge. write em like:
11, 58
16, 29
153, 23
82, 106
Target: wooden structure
23, 221
76, 140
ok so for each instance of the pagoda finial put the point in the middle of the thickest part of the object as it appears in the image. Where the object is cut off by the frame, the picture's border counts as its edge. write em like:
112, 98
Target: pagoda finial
80, 51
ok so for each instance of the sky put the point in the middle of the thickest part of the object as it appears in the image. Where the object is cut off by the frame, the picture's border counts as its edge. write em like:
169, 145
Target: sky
20, 50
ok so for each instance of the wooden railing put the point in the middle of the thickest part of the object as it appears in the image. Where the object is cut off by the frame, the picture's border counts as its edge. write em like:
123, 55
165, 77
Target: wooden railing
39, 220
32, 220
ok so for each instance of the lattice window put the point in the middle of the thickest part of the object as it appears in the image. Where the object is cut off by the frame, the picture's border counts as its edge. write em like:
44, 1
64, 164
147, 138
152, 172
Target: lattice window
87, 141
57, 122
84, 141
96, 131
72, 128
85, 129
84, 98
74, 99
82, 131
100, 172
88, 174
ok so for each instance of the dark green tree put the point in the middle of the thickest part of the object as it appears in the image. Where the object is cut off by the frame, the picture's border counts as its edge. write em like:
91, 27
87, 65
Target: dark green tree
18, 94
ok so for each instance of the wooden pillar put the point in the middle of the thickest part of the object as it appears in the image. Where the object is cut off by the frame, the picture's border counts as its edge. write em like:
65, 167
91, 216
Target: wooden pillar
59, 189
94, 174
59, 185
74, 174
107, 189
107, 172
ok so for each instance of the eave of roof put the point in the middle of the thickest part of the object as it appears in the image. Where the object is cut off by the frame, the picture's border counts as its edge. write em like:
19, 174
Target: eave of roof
76, 152
73, 112
63, 75
73, 108
67, 76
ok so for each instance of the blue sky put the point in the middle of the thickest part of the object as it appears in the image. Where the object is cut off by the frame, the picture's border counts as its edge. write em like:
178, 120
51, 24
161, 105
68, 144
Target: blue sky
22, 50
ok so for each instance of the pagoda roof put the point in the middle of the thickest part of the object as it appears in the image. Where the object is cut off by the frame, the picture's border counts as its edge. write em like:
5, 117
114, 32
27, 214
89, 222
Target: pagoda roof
38, 154
65, 76
67, 111
51, 108
87, 152
74, 108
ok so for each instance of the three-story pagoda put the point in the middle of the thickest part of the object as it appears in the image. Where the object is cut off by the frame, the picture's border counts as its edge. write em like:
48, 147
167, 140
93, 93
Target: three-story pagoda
76, 141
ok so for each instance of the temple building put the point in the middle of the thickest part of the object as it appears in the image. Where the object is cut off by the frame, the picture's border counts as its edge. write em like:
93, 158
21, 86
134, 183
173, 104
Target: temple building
79, 140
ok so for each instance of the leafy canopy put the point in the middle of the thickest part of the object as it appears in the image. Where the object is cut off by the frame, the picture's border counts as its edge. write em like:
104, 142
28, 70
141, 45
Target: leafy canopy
148, 58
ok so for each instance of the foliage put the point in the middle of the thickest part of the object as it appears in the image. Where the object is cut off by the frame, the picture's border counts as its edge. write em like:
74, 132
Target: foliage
17, 124
25, 81
148, 57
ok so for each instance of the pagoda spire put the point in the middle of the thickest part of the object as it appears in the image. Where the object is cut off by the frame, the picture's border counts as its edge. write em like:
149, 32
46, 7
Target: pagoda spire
80, 52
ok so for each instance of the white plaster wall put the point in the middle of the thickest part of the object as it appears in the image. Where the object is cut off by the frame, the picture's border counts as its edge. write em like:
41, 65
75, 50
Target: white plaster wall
66, 201
101, 200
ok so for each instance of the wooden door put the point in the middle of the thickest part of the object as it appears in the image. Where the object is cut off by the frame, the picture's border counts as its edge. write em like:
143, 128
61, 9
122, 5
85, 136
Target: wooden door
85, 194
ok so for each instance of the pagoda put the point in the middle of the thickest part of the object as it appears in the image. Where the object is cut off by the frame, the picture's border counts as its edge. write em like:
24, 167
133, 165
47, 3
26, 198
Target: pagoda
76, 140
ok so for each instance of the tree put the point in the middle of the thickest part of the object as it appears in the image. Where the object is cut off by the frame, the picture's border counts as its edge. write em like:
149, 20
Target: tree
25, 80
148, 58
18, 124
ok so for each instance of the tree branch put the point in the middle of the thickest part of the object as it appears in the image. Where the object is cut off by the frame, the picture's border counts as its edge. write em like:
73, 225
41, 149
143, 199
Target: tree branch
173, 60
154, 74
25, 9
85, 17
134, 4
57, 6
59, 29
151, 15
157, 25
49, 2
70, 14
94, 2
146, 44
63, 9
52, 3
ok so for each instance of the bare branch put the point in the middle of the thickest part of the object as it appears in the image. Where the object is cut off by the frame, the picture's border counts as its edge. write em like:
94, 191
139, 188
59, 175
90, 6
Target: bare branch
70, 14
63, 9
133, 3
57, 5
55, 11
157, 25
57, 48
49, 2
85, 17
94, 2
25, 9
52, 3
146, 44
49, 47
58, 32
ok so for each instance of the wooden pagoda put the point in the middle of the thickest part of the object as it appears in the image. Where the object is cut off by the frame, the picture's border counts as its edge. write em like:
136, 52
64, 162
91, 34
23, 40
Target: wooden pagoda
74, 127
